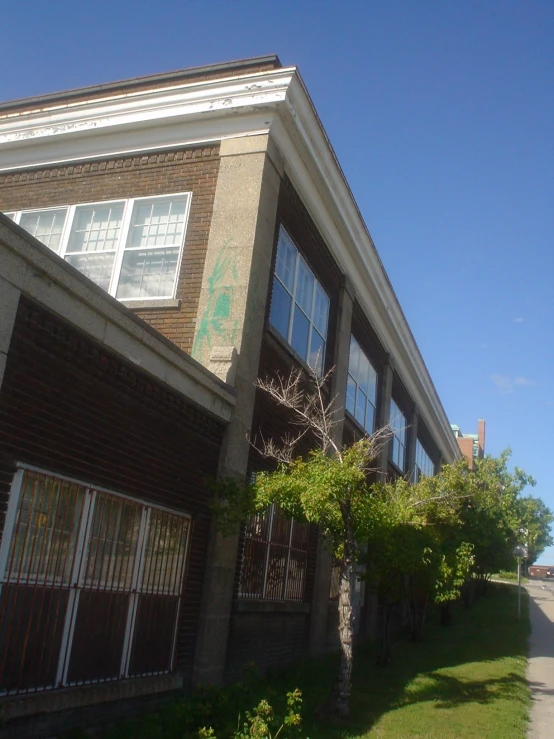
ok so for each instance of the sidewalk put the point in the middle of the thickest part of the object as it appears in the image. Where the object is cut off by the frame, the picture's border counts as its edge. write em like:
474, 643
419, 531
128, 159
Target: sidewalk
540, 673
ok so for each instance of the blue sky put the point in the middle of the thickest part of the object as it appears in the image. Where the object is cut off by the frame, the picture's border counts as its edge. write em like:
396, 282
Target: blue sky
442, 116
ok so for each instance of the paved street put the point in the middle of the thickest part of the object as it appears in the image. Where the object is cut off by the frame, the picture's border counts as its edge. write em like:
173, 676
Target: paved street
540, 673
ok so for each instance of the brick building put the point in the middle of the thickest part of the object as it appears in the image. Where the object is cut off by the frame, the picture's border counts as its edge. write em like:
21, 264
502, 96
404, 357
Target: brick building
472, 446
211, 212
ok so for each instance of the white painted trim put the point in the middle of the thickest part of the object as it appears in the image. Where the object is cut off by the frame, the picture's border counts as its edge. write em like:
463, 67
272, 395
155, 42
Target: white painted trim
9, 521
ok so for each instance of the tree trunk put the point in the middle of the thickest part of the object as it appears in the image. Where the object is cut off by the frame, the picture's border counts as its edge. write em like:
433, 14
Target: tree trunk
339, 701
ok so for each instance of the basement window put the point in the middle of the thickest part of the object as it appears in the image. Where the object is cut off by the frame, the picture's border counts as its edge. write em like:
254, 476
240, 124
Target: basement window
274, 557
90, 585
130, 248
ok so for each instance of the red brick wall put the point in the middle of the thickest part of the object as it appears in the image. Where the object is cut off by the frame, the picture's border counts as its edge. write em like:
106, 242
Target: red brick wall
71, 407
183, 170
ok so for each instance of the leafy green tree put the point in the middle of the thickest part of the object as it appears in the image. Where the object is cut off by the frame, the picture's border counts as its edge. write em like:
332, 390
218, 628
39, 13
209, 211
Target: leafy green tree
328, 488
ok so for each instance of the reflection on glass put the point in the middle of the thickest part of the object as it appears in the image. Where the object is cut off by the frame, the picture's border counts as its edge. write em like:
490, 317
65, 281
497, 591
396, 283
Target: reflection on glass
45, 225
280, 309
148, 274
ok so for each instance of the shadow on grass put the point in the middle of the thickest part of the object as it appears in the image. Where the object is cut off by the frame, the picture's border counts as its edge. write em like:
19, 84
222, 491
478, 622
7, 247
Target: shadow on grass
487, 632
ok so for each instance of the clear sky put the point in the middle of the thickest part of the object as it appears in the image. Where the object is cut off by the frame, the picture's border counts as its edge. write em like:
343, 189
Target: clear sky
442, 116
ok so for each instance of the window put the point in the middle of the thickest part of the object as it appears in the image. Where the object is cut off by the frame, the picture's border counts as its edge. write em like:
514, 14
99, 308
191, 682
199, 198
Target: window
424, 464
299, 305
275, 557
361, 390
130, 248
398, 426
90, 585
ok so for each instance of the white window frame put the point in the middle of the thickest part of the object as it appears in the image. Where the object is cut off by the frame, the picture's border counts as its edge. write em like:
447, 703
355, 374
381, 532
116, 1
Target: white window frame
424, 465
398, 423
78, 573
294, 307
120, 250
369, 401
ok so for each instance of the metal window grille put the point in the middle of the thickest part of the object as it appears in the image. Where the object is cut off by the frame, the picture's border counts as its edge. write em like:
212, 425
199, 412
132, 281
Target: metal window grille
90, 585
274, 558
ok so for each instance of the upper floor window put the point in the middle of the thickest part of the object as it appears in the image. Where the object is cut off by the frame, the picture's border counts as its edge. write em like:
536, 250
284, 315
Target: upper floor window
361, 390
131, 248
299, 305
274, 558
398, 426
424, 464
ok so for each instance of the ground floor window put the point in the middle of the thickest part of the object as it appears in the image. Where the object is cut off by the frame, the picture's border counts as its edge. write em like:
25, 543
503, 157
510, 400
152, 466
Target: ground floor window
90, 585
274, 557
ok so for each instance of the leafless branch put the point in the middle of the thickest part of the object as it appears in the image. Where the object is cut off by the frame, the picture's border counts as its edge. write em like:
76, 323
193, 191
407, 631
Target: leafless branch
310, 409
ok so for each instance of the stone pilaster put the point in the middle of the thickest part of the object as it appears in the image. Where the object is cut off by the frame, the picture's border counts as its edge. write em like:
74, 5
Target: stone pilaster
228, 341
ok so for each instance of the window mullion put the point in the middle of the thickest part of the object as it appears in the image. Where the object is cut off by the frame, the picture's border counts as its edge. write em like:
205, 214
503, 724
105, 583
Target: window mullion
182, 245
138, 570
288, 561
269, 535
68, 225
293, 305
78, 573
120, 249
311, 326
9, 522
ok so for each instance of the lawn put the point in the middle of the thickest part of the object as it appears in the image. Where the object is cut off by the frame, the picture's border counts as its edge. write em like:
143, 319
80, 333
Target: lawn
465, 680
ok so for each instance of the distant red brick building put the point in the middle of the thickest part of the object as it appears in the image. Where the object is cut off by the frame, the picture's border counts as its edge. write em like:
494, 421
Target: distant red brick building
472, 446
541, 571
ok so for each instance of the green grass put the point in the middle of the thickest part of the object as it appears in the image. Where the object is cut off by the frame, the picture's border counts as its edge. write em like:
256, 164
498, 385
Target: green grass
466, 680
463, 681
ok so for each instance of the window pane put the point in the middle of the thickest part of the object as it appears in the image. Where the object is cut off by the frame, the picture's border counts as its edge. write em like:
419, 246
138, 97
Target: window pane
350, 394
370, 418
360, 407
113, 542
47, 525
321, 310
45, 225
11, 216
304, 287
148, 274
300, 329
164, 558
96, 266
159, 222
354, 359
280, 309
317, 351
286, 260
363, 373
96, 228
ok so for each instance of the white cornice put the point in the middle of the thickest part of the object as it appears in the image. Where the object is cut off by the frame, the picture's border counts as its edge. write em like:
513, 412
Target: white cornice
204, 112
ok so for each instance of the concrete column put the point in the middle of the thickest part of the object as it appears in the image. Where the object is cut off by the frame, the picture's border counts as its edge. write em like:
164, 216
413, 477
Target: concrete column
228, 341
413, 420
324, 562
384, 415
9, 301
